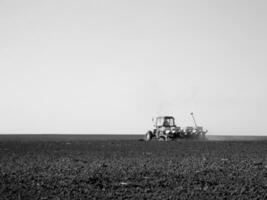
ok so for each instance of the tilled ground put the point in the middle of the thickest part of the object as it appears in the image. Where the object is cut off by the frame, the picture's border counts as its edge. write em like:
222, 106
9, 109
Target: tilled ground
133, 170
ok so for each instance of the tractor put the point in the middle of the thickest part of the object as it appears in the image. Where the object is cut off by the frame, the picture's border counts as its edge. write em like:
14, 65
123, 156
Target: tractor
164, 129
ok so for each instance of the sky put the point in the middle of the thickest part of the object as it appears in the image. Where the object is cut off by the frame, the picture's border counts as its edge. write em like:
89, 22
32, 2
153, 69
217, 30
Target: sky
95, 66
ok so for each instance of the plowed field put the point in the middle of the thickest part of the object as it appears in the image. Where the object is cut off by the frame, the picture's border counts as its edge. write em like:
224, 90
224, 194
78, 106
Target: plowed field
130, 169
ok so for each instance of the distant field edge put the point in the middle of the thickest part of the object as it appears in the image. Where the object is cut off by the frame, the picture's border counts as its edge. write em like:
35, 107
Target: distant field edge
84, 137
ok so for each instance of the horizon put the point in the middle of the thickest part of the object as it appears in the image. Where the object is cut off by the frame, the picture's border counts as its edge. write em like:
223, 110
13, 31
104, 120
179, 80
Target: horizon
123, 133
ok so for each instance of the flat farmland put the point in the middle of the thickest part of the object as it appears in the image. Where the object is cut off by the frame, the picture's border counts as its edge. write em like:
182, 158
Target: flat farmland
131, 169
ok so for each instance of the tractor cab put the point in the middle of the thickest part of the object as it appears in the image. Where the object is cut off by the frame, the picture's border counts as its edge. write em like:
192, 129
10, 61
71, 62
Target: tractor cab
166, 121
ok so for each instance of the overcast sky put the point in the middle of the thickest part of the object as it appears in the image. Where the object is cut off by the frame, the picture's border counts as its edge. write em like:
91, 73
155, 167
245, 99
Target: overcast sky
109, 66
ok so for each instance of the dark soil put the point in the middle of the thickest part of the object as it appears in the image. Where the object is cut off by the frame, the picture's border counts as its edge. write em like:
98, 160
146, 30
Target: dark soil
133, 170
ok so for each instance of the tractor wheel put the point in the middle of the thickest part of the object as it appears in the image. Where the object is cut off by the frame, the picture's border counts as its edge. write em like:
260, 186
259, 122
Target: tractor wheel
148, 136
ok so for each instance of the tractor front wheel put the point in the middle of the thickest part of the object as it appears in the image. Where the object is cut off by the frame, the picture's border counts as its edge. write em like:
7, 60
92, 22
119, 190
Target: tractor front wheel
148, 136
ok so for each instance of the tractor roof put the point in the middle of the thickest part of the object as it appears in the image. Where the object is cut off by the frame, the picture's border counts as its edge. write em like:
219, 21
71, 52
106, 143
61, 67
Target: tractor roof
165, 117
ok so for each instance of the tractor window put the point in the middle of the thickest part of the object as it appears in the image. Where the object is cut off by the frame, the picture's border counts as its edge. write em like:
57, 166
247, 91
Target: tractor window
159, 122
169, 122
